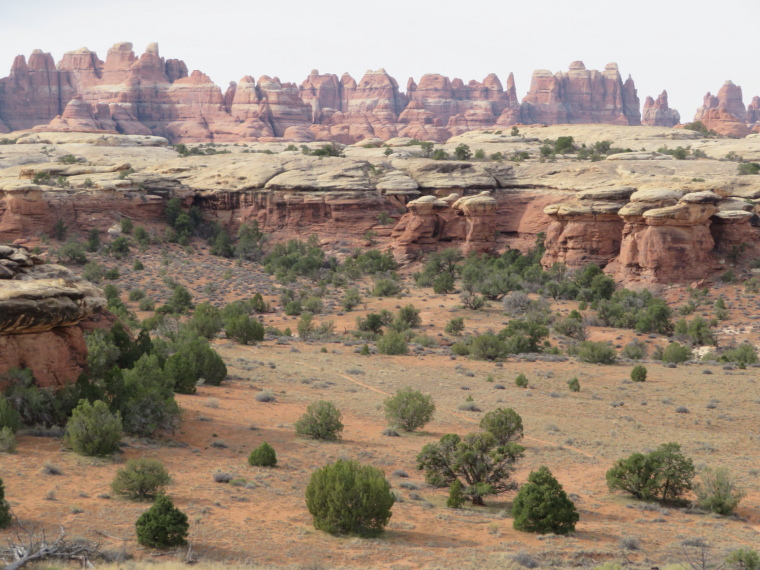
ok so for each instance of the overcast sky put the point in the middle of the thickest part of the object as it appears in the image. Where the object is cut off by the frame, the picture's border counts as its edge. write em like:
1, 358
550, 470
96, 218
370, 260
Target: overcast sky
688, 47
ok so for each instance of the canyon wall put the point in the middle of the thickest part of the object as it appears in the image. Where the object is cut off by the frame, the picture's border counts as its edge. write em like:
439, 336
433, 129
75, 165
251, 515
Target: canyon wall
151, 95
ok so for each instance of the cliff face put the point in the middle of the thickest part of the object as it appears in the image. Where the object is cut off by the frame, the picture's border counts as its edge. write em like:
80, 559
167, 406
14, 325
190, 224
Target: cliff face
658, 113
725, 113
581, 96
44, 311
151, 95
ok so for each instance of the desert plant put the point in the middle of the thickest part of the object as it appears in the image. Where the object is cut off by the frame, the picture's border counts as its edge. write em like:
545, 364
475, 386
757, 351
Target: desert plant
574, 385
141, 479
717, 491
635, 350
321, 421
409, 409
93, 429
488, 346
163, 525
392, 343
244, 329
482, 465
263, 456
346, 497
744, 559
504, 424
676, 353
662, 475
521, 381
455, 326
8, 441
542, 506
639, 373
596, 352
6, 518
351, 299
456, 495
9, 416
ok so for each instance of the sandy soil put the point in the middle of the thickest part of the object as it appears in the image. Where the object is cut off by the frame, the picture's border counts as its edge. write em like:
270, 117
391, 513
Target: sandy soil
264, 519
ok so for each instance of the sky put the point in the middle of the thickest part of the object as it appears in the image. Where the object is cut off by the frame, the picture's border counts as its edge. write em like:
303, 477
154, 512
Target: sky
688, 47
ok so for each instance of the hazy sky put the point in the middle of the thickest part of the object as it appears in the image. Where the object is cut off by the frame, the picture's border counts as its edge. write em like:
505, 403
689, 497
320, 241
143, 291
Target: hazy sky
688, 47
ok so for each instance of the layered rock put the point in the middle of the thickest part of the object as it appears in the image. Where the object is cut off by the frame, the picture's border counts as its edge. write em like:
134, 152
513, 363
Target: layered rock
587, 229
581, 96
44, 311
658, 113
724, 113
666, 238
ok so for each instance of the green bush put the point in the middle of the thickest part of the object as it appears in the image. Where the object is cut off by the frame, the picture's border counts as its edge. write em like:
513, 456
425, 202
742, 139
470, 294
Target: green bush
141, 479
9, 416
385, 287
455, 326
504, 424
542, 506
244, 329
635, 350
596, 352
392, 343
744, 559
574, 385
93, 429
346, 497
521, 381
351, 299
456, 495
745, 353
662, 475
488, 346
263, 456
163, 525
6, 518
8, 441
409, 409
676, 353
717, 491
206, 320
482, 465
321, 421
460, 349
639, 373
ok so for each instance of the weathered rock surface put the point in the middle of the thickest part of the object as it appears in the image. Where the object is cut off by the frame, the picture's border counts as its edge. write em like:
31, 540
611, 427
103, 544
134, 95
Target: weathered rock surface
725, 113
658, 113
42, 309
581, 96
587, 229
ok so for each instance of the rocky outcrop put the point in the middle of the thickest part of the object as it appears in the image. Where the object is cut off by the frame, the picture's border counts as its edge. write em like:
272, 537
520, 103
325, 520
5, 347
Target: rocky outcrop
658, 113
44, 311
152, 95
468, 222
587, 229
724, 113
581, 96
667, 236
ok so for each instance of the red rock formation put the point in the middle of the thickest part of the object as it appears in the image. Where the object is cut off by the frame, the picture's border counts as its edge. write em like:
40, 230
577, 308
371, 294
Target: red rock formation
581, 96
725, 113
658, 113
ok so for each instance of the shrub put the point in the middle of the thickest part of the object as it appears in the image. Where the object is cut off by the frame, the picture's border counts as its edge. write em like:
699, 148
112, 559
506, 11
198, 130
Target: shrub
93, 429
488, 346
662, 475
744, 559
409, 316
386, 288
676, 353
460, 349
745, 353
596, 353
639, 373
542, 506
521, 381
263, 456
574, 385
163, 525
321, 421
141, 479
346, 497
9, 417
5, 509
477, 459
635, 350
456, 495
504, 424
351, 299
409, 409
206, 320
455, 326
444, 284
392, 343
717, 491
8, 441
244, 329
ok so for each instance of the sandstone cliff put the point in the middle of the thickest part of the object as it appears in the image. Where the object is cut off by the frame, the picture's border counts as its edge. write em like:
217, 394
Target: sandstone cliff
658, 113
725, 113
